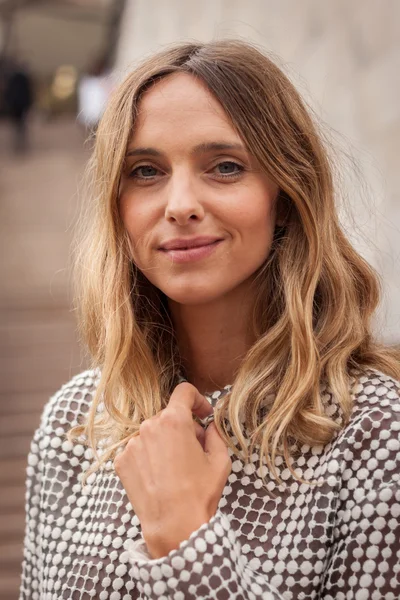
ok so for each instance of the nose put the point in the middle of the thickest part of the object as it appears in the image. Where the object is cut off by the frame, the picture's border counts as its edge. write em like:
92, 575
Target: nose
183, 201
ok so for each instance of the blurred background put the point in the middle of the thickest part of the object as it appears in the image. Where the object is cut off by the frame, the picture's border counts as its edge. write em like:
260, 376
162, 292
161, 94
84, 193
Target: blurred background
59, 61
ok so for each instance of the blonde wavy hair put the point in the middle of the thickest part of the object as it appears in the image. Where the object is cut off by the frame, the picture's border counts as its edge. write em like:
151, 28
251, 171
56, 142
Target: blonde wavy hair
315, 294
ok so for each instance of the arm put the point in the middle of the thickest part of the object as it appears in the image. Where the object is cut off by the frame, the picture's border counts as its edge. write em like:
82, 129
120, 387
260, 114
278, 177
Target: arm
207, 565
365, 560
365, 557
31, 566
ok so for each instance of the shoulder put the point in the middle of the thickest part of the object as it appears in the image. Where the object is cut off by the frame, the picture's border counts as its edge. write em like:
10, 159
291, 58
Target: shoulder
374, 387
63, 411
371, 438
377, 396
371, 392
70, 403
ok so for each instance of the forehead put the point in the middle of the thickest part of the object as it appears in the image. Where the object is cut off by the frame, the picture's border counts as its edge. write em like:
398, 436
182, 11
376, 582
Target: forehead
180, 104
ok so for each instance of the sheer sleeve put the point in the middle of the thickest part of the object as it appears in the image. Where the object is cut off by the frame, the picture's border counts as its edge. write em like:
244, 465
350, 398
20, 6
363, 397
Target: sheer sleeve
31, 566
364, 562
207, 565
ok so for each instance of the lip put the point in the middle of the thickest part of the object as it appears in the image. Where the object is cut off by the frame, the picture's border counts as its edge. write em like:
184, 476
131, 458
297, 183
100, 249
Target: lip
188, 243
189, 250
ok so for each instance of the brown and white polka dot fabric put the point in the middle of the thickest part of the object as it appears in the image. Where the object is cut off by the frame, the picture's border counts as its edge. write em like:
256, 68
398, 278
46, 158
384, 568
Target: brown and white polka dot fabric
337, 540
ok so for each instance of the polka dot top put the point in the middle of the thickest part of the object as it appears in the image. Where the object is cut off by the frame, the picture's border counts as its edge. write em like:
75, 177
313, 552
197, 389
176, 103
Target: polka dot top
336, 540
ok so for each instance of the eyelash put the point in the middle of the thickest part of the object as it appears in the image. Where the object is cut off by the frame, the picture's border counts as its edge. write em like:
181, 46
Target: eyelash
235, 175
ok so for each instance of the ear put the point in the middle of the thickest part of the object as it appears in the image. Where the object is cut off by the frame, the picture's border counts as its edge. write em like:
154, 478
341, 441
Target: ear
283, 208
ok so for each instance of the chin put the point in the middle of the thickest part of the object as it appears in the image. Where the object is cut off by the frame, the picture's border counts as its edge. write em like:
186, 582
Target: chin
191, 298
206, 289
191, 295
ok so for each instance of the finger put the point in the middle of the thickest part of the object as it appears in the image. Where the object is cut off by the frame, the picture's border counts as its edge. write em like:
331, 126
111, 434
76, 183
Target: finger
186, 396
200, 433
214, 444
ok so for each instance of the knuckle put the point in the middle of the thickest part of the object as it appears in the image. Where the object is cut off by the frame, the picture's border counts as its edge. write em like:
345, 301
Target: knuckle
145, 427
123, 457
130, 449
228, 465
167, 416
117, 464
171, 416
130, 445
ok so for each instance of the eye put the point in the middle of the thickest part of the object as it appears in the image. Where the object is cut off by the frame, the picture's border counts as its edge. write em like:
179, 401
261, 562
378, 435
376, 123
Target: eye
228, 168
144, 172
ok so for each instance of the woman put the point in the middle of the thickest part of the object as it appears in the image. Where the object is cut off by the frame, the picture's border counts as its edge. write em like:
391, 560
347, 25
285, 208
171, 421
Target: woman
214, 256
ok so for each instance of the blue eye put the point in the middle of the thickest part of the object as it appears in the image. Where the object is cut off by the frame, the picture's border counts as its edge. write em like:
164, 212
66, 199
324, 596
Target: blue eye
144, 172
229, 168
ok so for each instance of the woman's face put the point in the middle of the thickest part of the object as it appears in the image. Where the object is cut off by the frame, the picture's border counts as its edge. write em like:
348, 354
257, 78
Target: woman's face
199, 212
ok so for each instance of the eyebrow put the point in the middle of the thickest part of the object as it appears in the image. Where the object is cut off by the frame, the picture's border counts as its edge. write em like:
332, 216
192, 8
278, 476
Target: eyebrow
199, 149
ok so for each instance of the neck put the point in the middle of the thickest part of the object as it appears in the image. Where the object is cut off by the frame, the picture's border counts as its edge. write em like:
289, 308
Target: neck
213, 339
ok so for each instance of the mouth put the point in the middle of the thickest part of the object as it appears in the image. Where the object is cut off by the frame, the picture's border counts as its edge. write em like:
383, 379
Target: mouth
184, 251
188, 244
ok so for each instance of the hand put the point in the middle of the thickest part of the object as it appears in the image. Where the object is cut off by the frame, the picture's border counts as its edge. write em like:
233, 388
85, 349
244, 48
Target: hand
174, 471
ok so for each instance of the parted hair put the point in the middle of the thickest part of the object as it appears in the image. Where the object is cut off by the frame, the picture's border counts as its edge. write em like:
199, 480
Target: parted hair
315, 295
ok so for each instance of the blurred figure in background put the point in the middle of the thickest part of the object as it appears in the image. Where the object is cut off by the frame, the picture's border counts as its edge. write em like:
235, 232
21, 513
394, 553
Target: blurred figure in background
18, 98
93, 92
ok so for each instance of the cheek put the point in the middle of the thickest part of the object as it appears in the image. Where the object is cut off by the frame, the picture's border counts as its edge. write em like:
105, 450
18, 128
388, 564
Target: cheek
257, 221
125, 210
135, 220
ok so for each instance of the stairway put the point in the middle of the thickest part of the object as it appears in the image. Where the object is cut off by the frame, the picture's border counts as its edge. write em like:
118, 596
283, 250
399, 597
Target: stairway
38, 346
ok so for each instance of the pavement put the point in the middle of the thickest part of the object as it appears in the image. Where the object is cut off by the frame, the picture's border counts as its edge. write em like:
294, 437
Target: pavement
39, 202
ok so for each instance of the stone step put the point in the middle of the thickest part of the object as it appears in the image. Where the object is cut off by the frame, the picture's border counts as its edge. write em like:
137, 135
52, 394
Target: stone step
12, 527
12, 470
12, 499
10, 554
19, 424
15, 403
10, 585
15, 447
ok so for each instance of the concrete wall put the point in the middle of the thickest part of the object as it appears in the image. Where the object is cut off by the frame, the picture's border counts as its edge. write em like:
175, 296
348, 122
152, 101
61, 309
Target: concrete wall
344, 57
